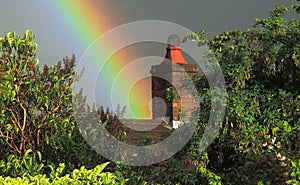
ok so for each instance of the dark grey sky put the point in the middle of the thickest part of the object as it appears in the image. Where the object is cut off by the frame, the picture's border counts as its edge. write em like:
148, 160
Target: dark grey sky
214, 15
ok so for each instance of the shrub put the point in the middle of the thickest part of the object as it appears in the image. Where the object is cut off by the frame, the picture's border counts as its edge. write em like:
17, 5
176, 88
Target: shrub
38, 103
37, 108
78, 176
260, 133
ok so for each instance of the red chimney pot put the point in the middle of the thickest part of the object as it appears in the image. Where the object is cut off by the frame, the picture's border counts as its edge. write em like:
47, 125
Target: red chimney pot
174, 55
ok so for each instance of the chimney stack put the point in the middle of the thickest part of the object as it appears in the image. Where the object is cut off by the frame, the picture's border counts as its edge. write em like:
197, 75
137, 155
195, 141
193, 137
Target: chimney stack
170, 74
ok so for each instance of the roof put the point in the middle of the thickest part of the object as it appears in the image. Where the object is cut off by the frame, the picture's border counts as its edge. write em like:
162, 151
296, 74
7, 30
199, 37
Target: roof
146, 125
137, 129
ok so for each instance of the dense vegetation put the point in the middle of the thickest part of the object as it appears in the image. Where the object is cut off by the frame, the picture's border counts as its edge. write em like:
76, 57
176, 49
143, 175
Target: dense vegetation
259, 142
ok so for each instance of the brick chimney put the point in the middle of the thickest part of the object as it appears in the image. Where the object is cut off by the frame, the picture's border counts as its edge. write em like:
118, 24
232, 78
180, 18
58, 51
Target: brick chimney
170, 73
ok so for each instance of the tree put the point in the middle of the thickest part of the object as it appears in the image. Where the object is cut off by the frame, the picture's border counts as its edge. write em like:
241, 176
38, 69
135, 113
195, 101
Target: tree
37, 103
260, 134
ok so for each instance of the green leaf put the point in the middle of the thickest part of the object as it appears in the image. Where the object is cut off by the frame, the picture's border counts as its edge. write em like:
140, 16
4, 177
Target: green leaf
3, 90
287, 128
294, 164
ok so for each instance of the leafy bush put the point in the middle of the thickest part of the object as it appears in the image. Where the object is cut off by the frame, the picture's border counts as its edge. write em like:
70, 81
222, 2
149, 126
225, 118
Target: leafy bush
38, 103
171, 171
37, 108
295, 174
78, 176
29, 164
260, 133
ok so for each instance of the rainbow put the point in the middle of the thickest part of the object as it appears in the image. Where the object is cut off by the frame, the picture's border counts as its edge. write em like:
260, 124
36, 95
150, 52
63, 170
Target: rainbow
83, 22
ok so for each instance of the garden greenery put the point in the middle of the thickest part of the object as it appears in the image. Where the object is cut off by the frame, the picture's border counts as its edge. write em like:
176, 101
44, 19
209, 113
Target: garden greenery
258, 143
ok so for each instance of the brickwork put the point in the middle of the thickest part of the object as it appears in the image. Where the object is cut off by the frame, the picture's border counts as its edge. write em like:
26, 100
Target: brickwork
172, 74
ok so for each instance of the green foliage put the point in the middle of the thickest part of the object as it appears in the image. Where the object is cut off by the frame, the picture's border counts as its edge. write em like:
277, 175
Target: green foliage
212, 178
258, 143
172, 94
38, 103
4, 76
295, 174
78, 176
171, 171
37, 108
146, 140
261, 126
29, 164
